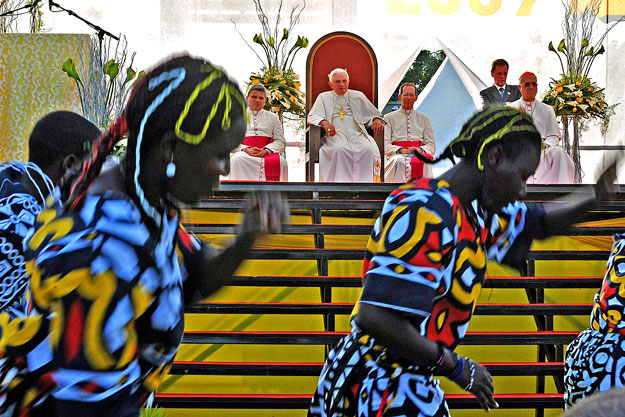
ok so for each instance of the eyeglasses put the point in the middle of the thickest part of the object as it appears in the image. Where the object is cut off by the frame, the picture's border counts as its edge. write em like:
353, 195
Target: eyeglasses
528, 83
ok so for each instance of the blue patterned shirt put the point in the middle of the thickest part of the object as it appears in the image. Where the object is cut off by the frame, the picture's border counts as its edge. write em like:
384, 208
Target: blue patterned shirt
107, 301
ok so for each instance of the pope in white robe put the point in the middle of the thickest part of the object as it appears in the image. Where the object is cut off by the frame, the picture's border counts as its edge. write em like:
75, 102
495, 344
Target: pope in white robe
348, 153
264, 140
407, 131
555, 166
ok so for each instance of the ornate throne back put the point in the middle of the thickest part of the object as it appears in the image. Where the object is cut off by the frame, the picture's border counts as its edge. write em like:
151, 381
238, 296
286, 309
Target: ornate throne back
339, 50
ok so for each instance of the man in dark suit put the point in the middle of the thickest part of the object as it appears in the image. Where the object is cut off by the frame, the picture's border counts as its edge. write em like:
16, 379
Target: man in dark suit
499, 92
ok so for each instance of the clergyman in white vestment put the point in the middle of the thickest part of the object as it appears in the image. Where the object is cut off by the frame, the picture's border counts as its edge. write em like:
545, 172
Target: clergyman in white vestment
261, 155
407, 131
556, 166
348, 153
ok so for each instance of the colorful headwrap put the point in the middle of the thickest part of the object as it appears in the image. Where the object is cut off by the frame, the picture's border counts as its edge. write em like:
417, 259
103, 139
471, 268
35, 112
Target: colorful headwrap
176, 94
226, 93
175, 78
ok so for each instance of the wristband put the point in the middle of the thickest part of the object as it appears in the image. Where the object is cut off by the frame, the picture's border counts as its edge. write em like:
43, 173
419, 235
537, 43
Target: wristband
456, 374
436, 369
472, 377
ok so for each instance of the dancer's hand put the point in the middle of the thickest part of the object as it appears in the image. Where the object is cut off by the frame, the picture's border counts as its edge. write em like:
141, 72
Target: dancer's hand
558, 217
209, 270
482, 385
266, 213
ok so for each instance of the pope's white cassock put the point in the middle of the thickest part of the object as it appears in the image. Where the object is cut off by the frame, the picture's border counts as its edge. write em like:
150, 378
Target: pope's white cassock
351, 155
251, 168
406, 126
555, 166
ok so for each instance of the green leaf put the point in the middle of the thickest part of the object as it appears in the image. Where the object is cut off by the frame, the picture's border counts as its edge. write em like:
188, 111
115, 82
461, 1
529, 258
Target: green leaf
302, 42
585, 43
271, 42
600, 51
562, 46
259, 39
590, 52
130, 74
139, 76
551, 48
70, 69
111, 68
285, 34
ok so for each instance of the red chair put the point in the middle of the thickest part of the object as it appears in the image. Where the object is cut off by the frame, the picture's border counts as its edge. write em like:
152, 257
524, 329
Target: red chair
339, 50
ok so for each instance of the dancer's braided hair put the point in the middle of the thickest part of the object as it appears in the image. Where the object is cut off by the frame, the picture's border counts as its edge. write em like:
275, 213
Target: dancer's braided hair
186, 96
503, 124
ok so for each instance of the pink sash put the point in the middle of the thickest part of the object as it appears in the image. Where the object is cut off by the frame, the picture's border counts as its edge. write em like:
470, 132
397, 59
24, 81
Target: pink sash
416, 165
272, 160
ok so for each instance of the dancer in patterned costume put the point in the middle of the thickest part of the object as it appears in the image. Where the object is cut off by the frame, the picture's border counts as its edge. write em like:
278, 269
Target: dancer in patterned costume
595, 360
57, 142
424, 269
107, 288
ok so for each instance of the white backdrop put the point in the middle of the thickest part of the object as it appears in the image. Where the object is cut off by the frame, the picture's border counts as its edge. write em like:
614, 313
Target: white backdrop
478, 31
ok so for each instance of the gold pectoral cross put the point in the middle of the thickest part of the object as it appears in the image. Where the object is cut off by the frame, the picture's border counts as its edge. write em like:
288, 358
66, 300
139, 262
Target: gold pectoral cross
342, 113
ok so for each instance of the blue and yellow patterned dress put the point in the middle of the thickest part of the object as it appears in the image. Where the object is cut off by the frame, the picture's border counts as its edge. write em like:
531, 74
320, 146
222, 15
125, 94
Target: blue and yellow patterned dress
425, 259
107, 303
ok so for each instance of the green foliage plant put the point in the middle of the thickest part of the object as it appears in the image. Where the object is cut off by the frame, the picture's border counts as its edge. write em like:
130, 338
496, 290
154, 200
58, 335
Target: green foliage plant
153, 412
105, 81
9, 23
276, 74
574, 93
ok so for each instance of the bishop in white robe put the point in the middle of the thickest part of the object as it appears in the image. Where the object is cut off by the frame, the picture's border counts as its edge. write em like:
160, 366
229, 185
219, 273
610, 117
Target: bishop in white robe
245, 167
348, 153
261, 155
407, 131
555, 166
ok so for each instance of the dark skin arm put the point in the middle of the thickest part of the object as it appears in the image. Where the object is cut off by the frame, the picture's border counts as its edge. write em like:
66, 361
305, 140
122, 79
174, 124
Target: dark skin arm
395, 332
209, 272
558, 217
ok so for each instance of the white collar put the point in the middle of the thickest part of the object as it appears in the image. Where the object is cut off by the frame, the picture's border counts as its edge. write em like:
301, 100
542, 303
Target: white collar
503, 86
528, 107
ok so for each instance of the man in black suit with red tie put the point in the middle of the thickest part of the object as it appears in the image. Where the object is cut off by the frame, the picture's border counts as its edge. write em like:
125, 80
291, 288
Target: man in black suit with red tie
499, 92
